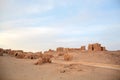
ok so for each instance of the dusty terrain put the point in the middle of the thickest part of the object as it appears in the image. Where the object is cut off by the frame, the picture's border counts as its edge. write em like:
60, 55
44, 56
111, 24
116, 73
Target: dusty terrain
103, 65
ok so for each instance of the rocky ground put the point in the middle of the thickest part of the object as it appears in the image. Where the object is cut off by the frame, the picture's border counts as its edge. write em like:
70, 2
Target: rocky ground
104, 65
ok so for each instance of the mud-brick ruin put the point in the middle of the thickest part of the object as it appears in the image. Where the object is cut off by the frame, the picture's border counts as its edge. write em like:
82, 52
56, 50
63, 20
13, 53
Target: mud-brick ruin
1, 52
91, 47
46, 56
82, 48
60, 51
96, 47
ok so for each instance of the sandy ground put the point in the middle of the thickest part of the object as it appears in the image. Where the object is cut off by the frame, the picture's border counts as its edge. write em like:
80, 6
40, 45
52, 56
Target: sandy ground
92, 68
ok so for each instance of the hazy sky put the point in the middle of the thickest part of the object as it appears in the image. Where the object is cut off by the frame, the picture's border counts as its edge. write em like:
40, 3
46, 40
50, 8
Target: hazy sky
35, 25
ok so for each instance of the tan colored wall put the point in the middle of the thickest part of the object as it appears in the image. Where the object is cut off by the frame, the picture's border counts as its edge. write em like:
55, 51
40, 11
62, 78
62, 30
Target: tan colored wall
60, 49
82, 48
96, 47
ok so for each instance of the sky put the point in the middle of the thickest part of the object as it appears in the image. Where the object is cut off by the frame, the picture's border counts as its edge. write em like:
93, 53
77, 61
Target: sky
39, 25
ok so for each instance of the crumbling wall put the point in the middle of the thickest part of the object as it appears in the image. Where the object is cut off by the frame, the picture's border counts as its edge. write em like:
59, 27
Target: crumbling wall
82, 48
68, 57
96, 47
46, 58
7, 51
60, 49
19, 55
1, 52
90, 47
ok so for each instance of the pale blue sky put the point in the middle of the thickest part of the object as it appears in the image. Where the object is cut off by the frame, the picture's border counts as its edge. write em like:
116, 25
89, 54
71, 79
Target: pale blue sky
35, 25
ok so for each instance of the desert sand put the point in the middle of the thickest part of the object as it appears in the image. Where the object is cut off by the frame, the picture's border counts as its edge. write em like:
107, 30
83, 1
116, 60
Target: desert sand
100, 65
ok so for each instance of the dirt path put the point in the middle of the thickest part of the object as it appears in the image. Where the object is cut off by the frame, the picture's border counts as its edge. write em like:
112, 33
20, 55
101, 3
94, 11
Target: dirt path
109, 66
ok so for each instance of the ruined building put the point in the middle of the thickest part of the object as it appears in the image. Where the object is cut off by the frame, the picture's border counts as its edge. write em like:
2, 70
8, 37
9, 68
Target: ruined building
60, 49
96, 47
82, 48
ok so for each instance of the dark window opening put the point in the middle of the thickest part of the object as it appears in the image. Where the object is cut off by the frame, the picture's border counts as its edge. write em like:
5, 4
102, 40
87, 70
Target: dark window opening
16, 54
92, 48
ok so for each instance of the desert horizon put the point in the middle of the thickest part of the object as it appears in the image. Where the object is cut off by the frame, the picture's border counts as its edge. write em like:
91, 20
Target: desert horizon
94, 63
59, 40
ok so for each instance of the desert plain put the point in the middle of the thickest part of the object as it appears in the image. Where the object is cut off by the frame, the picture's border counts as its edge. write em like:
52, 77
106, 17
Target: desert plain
83, 65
